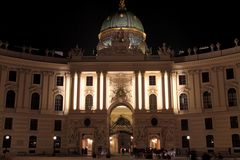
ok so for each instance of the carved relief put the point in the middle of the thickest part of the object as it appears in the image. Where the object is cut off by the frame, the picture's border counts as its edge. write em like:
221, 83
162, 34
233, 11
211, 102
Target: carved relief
121, 88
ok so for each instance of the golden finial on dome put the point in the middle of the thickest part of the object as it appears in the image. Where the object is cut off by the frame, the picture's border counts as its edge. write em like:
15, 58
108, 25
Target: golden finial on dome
122, 5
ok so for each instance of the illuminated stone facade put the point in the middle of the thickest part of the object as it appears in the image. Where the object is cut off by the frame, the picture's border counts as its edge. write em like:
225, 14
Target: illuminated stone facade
121, 98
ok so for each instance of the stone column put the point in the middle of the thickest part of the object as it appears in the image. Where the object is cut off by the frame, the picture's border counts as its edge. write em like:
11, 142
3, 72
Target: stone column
45, 91
191, 99
50, 97
214, 81
160, 92
104, 90
27, 95
238, 78
221, 85
71, 99
21, 88
78, 92
98, 90
67, 80
136, 90
169, 91
143, 90
3, 79
163, 90
174, 90
197, 90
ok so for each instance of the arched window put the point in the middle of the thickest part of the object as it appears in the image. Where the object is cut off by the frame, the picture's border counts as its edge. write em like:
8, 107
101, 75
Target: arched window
153, 102
207, 101
58, 102
232, 97
88, 102
235, 140
10, 99
183, 101
35, 101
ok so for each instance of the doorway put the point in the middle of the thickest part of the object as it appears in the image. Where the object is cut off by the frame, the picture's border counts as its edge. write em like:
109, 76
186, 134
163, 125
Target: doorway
121, 130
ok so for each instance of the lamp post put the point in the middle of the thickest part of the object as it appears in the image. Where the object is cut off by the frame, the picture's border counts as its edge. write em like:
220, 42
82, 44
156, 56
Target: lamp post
189, 151
7, 137
54, 144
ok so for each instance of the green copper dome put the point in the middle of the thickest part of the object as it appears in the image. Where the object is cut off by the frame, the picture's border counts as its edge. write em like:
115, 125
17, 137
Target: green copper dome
122, 19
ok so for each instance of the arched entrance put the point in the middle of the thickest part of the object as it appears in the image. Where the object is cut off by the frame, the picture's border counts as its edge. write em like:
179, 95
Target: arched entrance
121, 130
154, 142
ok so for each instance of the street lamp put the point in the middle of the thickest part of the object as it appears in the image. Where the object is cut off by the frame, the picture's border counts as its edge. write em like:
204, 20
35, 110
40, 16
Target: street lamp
54, 144
7, 137
189, 151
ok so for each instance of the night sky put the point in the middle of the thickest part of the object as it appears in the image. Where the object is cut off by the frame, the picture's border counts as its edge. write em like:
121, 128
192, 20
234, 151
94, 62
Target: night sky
62, 25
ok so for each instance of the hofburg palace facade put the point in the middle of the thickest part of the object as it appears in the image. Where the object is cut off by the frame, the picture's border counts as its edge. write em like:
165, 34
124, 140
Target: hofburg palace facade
122, 97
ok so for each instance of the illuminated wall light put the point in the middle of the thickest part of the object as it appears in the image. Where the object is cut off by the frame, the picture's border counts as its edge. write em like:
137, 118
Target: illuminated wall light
75, 91
107, 92
166, 90
67, 93
101, 91
139, 90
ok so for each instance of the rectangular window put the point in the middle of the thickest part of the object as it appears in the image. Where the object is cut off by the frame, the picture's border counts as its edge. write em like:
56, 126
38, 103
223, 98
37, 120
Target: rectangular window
89, 81
152, 80
210, 141
182, 80
229, 73
36, 78
8, 123
60, 80
32, 142
58, 125
208, 123
184, 124
234, 122
12, 76
185, 142
33, 124
205, 77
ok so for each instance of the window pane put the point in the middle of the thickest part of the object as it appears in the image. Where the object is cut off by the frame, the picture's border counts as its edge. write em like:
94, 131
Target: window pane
89, 102
185, 142
208, 123
60, 80
8, 123
58, 125
152, 80
32, 142
36, 78
153, 102
210, 141
183, 102
232, 97
184, 124
12, 76
35, 101
33, 124
10, 99
207, 102
182, 80
205, 77
234, 122
59, 103
235, 140
229, 73
89, 81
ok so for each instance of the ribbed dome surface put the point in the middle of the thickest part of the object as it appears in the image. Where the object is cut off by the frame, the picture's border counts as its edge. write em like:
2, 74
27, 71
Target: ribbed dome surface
122, 19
